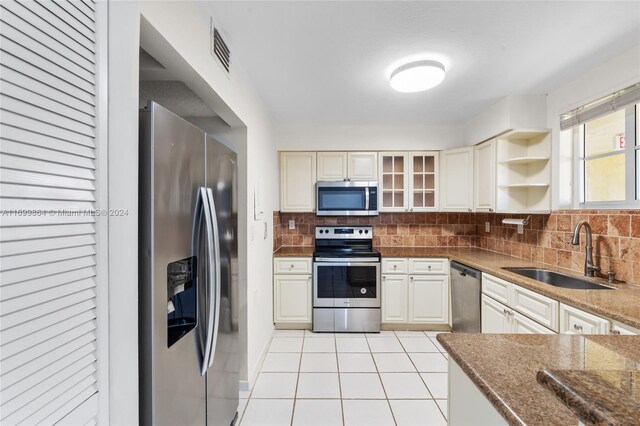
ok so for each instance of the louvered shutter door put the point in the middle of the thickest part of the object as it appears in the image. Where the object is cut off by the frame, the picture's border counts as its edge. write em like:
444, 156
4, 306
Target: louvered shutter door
48, 338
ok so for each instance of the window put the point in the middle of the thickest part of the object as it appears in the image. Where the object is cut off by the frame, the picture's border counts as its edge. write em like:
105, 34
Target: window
605, 134
603, 158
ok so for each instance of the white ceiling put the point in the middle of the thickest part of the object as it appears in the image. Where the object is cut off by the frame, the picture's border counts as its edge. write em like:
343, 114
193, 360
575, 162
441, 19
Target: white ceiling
327, 62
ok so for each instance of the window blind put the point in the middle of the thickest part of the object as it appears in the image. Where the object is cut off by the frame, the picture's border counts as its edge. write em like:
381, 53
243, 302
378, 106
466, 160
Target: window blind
611, 103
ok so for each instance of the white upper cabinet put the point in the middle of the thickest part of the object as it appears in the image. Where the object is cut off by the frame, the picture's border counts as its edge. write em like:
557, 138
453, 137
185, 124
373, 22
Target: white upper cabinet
347, 165
332, 166
456, 183
393, 182
362, 165
423, 181
484, 165
408, 181
297, 181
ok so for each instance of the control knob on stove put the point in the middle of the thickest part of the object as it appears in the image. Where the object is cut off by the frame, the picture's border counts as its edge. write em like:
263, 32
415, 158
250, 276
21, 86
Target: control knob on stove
360, 231
321, 231
366, 231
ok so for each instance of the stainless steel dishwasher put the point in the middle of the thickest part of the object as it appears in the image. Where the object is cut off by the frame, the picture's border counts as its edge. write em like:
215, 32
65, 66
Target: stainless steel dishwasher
465, 298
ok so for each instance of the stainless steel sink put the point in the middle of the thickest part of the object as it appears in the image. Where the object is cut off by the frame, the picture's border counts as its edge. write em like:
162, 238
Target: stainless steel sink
557, 279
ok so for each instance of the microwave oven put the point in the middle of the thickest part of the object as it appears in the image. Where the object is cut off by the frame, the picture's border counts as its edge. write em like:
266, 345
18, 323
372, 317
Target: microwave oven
347, 198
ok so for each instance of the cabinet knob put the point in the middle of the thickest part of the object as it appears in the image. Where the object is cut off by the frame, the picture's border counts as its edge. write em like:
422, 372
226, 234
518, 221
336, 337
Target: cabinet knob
469, 210
428, 266
290, 266
490, 210
615, 331
411, 278
577, 327
395, 266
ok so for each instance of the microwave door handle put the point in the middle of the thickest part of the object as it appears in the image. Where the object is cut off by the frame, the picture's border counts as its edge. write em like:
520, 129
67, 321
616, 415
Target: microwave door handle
366, 198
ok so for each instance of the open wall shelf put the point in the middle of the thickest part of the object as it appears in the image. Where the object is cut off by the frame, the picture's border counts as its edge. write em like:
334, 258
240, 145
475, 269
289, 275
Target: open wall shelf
524, 160
524, 171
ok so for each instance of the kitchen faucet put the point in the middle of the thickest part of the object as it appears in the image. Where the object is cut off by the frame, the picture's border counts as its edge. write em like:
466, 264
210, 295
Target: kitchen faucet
589, 268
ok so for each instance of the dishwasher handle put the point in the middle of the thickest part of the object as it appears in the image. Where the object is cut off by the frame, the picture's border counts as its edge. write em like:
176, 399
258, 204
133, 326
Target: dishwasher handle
465, 270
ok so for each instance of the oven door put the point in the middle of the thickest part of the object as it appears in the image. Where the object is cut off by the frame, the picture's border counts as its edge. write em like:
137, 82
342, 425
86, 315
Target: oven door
346, 283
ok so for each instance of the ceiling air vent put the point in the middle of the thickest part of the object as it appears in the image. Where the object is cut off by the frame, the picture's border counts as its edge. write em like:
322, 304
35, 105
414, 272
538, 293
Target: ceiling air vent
219, 48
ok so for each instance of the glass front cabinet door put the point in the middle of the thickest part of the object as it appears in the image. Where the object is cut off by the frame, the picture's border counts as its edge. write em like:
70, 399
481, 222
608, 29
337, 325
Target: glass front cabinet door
393, 182
408, 181
423, 169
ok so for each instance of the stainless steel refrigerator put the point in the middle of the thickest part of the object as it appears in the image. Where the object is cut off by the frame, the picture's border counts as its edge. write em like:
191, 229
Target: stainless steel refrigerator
188, 322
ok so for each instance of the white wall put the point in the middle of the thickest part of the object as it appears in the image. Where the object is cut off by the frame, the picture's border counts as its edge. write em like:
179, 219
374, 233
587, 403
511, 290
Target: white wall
368, 138
612, 74
510, 112
123, 36
186, 27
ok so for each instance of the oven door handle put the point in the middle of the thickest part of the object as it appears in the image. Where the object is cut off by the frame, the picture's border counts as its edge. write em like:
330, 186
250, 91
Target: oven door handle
346, 260
351, 261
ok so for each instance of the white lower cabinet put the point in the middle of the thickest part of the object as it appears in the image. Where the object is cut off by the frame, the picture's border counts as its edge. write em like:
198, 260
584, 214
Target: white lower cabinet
521, 310
394, 298
494, 316
428, 299
498, 318
415, 291
510, 308
292, 298
292, 292
576, 321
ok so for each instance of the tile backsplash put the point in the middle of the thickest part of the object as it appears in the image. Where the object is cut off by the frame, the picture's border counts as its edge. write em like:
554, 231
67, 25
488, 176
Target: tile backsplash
546, 239
389, 229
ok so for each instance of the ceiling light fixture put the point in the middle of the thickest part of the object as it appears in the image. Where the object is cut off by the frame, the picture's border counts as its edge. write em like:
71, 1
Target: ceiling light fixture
417, 76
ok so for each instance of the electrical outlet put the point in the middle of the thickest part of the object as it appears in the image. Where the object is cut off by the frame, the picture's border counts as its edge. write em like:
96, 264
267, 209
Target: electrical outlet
487, 227
292, 224
520, 229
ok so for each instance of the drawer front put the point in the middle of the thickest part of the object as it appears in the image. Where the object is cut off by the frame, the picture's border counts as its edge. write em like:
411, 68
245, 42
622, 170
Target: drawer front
394, 266
576, 321
536, 306
624, 330
292, 265
496, 288
429, 266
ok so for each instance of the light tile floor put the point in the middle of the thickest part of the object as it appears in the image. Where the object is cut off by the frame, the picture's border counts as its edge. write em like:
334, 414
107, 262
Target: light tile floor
391, 378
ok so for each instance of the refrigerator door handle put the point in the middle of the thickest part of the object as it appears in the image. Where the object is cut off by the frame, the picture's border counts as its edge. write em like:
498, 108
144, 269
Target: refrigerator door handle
203, 202
216, 251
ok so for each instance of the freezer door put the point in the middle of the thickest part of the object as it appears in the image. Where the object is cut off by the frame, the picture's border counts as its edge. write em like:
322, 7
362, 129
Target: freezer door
172, 158
223, 373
